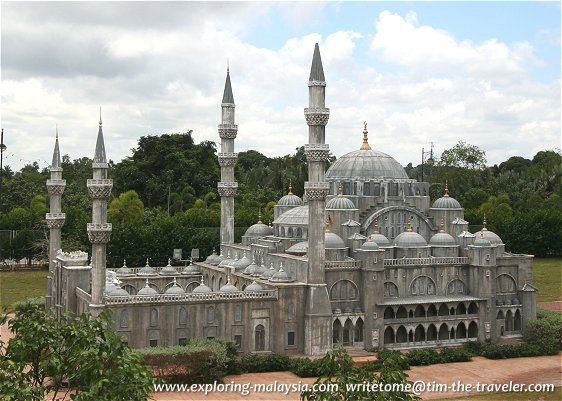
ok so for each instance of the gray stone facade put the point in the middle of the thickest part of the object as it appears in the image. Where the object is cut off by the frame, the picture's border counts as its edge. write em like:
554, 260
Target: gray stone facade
364, 260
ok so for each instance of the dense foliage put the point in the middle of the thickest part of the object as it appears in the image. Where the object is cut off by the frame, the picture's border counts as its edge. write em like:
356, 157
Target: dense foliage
165, 197
78, 354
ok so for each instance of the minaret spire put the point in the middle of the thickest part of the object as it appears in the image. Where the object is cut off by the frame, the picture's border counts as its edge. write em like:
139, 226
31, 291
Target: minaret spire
56, 163
365, 145
227, 187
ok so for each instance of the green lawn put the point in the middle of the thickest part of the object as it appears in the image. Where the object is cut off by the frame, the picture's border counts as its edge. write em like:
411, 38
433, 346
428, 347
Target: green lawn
21, 285
547, 275
541, 396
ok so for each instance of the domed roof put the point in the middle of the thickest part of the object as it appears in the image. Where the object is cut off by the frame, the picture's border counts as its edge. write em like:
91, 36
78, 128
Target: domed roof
259, 270
481, 241
228, 287
241, 264
227, 261
124, 270
174, 289
269, 272
212, 258
258, 230
147, 270
190, 269
380, 239
251, 268
168, 270
300, 248
294, 217
442, 238
365, 163
340, 201
290, 199
490, 235
253, 287
409, 239
281, 276
119, 292
369, 245
333, 241
201, 288
147, 290
446, 201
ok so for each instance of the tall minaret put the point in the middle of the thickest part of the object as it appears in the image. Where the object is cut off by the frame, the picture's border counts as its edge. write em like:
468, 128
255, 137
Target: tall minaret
227, 160
55, 221
99, 231
318, 314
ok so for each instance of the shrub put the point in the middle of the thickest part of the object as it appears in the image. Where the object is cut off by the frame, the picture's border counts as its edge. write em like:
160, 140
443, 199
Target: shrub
385, 355
419, 357
474, 347
199, 361
20, 305
304, 367
546, 331
455, 355
264, 363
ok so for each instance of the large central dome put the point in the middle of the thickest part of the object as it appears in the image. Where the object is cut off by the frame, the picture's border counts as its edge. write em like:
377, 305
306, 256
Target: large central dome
365, 164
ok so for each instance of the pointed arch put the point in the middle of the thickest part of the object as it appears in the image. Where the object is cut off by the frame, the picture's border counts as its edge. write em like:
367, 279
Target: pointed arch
390, 290
259, 334
131, 289
473, 330
443, 310
401, 313
461, 331
456, 286
389, 337
348, 332
431, 311
452, 334
419, 334
472, 308
420, 311
422, 285
401, 335
359, 327
444, 332
509, 321
431, 333
461, 309
389, 313
343, 290
505, 283
191, 286
517, 320
336, 332
500, 315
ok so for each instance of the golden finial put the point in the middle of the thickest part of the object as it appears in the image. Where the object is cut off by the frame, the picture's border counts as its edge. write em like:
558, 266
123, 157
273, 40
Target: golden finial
100, 116
259, 216
442, 226
365, 145
340, 189
446, 188
484, 223
290, 187
410, 228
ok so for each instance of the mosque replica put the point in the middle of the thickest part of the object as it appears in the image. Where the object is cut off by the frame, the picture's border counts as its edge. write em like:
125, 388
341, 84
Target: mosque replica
363, 261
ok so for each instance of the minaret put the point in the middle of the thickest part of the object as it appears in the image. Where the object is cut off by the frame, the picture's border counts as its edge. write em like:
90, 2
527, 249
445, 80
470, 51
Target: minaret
99, 231
227, 160
55, 221
318, 314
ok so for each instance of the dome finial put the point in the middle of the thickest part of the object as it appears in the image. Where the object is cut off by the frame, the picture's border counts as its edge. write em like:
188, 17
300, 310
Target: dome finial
442, 226
365, 145
290, 187
57, 132
100, 116
329, 223
340, 189
259, 216
377, 229
485, 223
410, 229
446, 188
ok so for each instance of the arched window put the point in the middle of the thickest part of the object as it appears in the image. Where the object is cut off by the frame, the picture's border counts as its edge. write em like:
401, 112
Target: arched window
461, 331
238, 313
443, 310
358, 331
220, 284
124, 318
130, 289
431, 311
389, 313
456, 287
343, 290
260, 338
443, 332
390, 290
154, 317
500, 315
517, 321
461, 309
419, 312
401, 313
472, 330
419, 334
347, 332
210, 314
472, 308
422, 285
505, 284
291, 311
183, 316
191, 286
401, 335
336, 332
389, 335
431, 333
508, 321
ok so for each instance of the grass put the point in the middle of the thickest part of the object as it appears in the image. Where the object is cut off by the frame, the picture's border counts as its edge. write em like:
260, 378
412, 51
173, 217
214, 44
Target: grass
556, 395
21, 285
547, 277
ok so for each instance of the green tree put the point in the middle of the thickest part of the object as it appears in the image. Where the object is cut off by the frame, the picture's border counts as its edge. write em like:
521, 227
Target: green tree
337, 367
45, 353
126, 209
463, 155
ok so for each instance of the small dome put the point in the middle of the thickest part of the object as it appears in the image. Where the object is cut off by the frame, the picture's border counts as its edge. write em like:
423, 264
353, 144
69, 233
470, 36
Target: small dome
380, 239
211, 258
442, 238
340, 202
333, 241
218, 259
269, 272
147, 290
227, 261
297, 216
446, 201
174, 289
281, 276
251, 268
241, 264
481, 240
258, 230
369, 245
410, 239
168, 270
201, 289
228, 287
299, 249
190, 269
124, 270
260, 269
290, 199
119, 292
490, 235
253, 287
109, 287
147, 270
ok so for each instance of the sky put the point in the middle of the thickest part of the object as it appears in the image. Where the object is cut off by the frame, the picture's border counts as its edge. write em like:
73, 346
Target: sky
486, 73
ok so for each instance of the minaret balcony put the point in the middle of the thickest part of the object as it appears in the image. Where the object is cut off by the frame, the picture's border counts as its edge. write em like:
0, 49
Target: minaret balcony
99, 233
100, 189
55, 220
316, 190
227, 188
317, 152
227, 159
228, 131
55, 187
316, 115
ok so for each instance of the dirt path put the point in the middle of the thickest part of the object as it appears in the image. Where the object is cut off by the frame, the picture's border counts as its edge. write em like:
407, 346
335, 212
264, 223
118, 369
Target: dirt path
540, 370
553, 305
